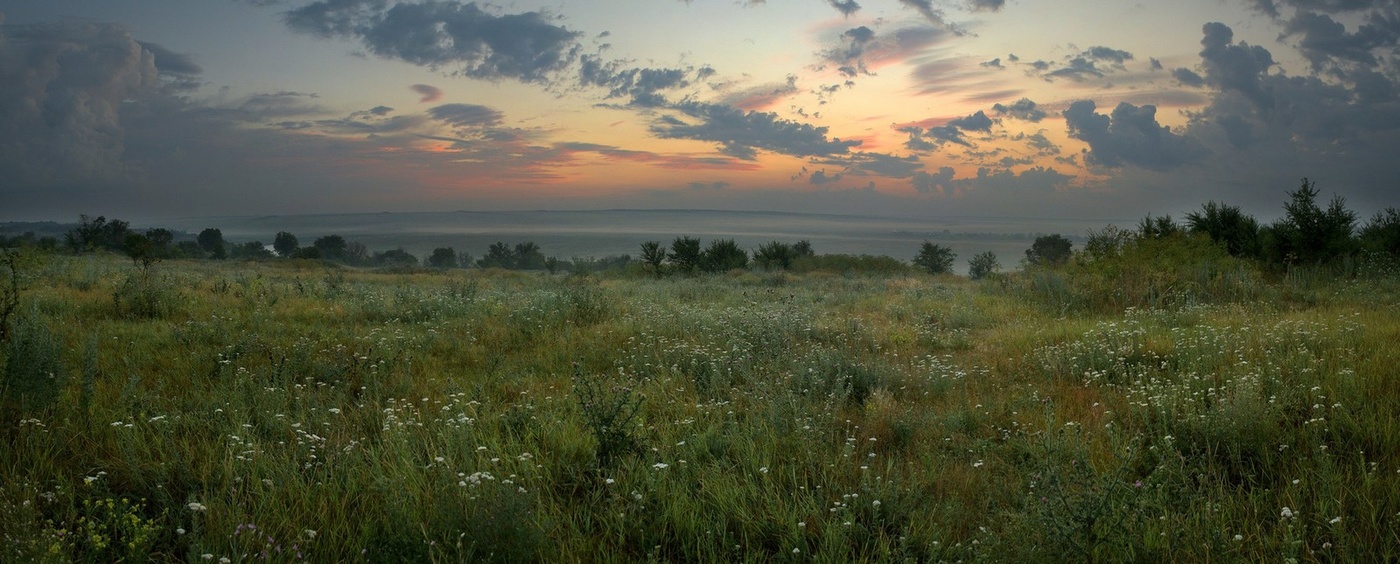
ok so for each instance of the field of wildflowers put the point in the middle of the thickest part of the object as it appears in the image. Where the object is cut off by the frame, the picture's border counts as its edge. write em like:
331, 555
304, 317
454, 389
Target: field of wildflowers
228, 412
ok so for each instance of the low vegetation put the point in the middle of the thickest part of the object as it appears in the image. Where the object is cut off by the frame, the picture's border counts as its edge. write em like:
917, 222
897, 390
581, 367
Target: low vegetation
1153, 396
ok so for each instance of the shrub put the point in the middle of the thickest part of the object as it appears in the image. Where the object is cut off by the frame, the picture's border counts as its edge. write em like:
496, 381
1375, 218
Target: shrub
146, 294
653, 255
982, 264
685, 254
1309, 234
33, 370
1227, 226
610, 413
723, 255
1049, 250
774, 254
936, 259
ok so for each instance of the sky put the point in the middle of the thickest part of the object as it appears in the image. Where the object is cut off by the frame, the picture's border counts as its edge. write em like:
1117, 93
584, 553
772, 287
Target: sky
150, 109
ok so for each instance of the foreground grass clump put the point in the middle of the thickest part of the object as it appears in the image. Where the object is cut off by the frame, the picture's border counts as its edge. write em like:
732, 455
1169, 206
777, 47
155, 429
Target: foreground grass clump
292, 412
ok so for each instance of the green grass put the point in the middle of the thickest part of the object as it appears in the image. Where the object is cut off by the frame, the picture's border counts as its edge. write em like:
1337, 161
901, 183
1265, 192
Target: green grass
290, 411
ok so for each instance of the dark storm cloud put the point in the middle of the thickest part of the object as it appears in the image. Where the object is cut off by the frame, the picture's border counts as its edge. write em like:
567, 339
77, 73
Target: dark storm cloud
1271, 7
170, 62
1187, 77
429, 93
64, 88
1235, 67
1325, 41
742, 134
1130, 135
477, 43
1023, 109
925, 183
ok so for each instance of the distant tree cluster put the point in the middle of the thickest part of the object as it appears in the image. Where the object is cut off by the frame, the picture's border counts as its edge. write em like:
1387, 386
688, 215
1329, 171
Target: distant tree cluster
1307, 234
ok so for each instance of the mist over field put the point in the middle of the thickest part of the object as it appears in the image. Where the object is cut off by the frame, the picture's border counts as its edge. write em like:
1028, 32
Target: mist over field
568, 234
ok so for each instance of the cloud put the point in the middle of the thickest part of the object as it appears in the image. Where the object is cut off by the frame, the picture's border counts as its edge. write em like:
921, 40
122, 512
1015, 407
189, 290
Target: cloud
708, 186
881, 164
933, 15
1327, 44
992, 64
821, 177
1043, 145
950, 132
429, 93
1086, 64
170, 62
742, 134
1023, 109
1234, 67
1187, 77
986, 5
766, 95
846, 7
939, 182
466, 115
437, 33
643, 85
65, 86
1130, 135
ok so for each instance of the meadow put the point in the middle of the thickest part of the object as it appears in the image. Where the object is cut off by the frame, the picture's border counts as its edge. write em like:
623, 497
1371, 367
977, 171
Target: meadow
293, 410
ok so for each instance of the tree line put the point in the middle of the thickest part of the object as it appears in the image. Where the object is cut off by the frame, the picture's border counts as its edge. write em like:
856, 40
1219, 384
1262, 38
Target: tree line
1307, 234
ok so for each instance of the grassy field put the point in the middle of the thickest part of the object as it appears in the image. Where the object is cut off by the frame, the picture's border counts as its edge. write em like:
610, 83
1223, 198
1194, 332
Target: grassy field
285, 410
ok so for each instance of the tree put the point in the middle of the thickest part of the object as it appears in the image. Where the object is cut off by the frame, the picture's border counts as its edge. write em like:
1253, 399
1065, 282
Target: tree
774, 254
285, 244
443, 257
211, 240
161, 241
141, 250
1109, 242
528, 256
99, 233
552, 265
1226, 226
1157, 227
356, 252
685, 254
1049, 250
982, 264
1382, 233
653, 255
803, 249
723, 255
395, 257
251, 250
1309, 234
331, 247
936, 259
499, 255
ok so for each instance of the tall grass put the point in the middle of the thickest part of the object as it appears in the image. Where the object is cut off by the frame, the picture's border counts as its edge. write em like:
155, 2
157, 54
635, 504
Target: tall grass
288, 412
